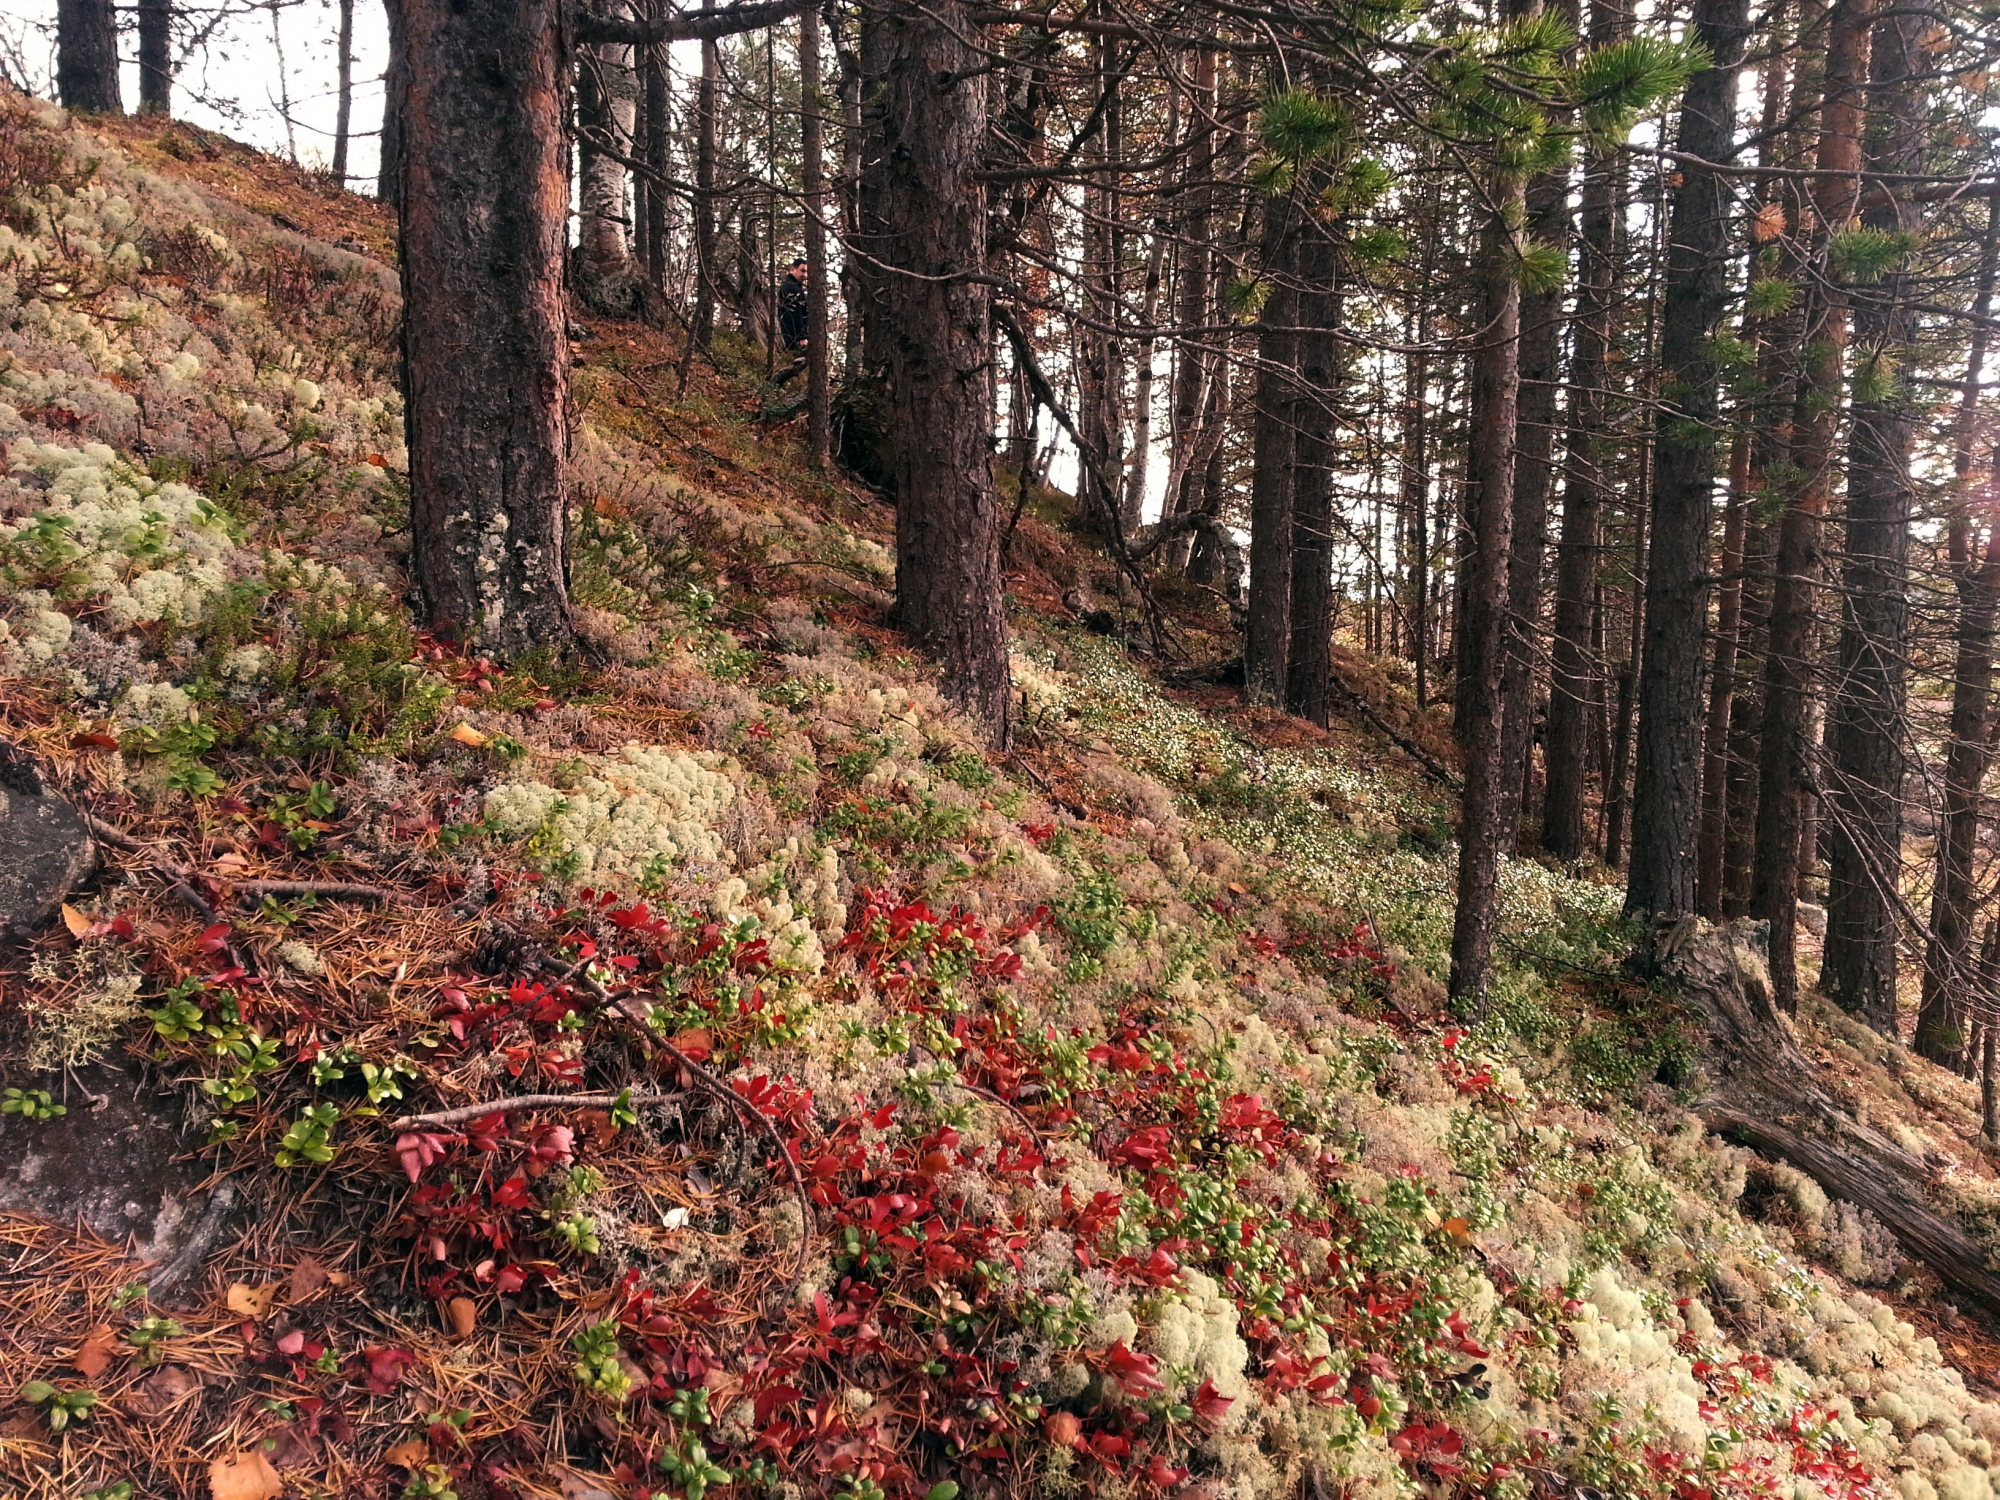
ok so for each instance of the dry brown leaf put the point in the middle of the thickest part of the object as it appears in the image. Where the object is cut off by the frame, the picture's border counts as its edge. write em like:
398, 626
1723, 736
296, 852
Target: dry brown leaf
308, 1276
251, 1301
465, 734
163, 1388
464, 1315
93, 1355
244, 1476
77, 923
1769, 223
409, 1455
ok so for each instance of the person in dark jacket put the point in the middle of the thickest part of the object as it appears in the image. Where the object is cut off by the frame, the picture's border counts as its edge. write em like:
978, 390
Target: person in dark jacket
794, 312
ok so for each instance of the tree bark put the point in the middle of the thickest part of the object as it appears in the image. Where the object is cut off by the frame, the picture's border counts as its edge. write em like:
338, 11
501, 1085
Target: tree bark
1787, 770
395, 83
1267, 636
156, 56
1489, 480
343, 89
1541, 373
484, 214
1310, 659
608, 111
1864, 812
706, 269
87, 57
1949, 978
1666, 797
812, 147
923, 211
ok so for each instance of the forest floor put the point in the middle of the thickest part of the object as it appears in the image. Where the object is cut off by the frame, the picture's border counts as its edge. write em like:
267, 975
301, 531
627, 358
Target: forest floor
708, 1066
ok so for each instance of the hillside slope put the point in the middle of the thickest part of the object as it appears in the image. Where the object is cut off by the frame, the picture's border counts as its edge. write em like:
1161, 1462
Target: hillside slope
705, 1066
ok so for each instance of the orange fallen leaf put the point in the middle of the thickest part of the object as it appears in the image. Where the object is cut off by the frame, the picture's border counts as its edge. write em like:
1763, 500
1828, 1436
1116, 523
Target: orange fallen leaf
378, 460
308, 1276
409, 1455
251, 1301
77, 923
465, 734
1458, 1229
93, 1355
244, 1476
1237, 888
464, 1315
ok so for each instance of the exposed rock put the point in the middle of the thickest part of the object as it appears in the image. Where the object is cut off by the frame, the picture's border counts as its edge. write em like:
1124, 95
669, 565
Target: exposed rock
111, 1162
1812, 918
45, 850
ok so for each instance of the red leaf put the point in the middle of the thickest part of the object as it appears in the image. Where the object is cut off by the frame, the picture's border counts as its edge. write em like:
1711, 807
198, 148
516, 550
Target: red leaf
1137, 1373
1209, 1404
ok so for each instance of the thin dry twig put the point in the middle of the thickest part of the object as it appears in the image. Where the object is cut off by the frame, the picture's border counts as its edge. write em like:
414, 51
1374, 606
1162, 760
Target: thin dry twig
625, 1006
518, 1103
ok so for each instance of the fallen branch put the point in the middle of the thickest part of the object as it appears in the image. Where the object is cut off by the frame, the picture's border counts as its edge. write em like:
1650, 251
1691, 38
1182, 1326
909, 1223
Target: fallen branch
336, 889
627, 1008
1402, 742
445, 1118
987, 1094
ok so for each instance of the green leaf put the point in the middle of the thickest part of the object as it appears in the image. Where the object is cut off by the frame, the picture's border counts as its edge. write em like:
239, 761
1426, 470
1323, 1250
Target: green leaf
948, 1490
35, 1392
1539, 267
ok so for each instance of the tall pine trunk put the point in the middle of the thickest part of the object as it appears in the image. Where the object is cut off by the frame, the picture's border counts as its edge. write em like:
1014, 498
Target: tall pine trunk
1310, 659
1267, 637
1948, 972
1666, 797
87, 57
1548, 212
343, 90
1864, 812
156, 55
923, 211
1482, 626
1787, 768
395, 82
484, 213
812, 175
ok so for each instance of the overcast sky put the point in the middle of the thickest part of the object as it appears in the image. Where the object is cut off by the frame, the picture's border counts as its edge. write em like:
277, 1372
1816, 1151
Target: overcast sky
237, 83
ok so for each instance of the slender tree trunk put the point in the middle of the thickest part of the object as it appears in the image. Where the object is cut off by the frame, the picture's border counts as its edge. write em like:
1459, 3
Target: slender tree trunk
1489, 481
656, 154
1195, 366
706, 269
1948, 979
924, 211
395, 83
1416, 504
87, 57
1666, 799
1309, 664
1541, 374
1133, 507
343, 90
1267, 639
1717, 777
156, 57
812, 146
485, 204
1787, 768
1572, 673
607, 111
1864, 812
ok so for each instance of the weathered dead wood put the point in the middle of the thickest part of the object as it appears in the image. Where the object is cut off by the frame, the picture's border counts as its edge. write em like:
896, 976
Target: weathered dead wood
1765, 1096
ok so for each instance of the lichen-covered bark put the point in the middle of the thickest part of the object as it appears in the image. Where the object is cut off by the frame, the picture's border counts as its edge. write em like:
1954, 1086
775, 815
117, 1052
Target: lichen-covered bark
484, 204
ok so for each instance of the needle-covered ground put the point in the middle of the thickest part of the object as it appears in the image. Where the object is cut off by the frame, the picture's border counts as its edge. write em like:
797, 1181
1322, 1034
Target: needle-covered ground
907, 1121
